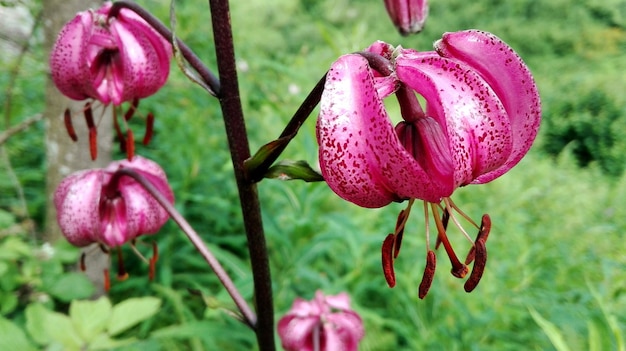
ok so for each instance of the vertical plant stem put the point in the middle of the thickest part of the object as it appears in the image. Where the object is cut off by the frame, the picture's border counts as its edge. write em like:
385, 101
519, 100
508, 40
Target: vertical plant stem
240, 151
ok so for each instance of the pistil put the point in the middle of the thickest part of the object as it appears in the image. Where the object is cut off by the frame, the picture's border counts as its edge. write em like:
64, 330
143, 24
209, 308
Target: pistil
459, 269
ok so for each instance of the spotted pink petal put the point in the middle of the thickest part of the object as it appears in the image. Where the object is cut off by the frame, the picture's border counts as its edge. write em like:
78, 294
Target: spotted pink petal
76, 200
144, 215
511, 80
68, 67
109, 59
360, 155
348, 329
296, 332
468, 110
92, 207
144, 58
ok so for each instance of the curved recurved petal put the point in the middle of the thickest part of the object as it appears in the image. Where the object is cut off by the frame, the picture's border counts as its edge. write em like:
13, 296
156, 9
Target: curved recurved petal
144, 215
68, 67
76, 201
509, 77
145, 56
360, 155
465, 106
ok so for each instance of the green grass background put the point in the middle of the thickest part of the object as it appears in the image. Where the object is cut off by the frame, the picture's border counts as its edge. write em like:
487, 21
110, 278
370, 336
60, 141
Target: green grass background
556, 276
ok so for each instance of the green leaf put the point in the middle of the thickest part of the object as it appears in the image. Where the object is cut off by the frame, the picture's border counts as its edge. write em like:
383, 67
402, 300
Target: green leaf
8, 302
36, 315
60, 329
104, 342
595, 338
551, 331
90, 318
289, 170
12, 337
132, 311
264, 153
71, 286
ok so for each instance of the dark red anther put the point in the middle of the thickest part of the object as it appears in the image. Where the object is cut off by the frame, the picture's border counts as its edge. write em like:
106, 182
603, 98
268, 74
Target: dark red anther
107, 280
400, 222
131, 110
149, 129
93, 133
104, 249
118, 132
387, 260
121, 271
429, 274
153, 260
82, 265
130, 145
155, 251
479, 266
67, 118
93, 143
483, 234
88, 112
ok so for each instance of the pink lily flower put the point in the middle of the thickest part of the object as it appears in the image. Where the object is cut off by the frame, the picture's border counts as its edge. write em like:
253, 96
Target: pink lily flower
97, 206
482, 114
408, 16
111, 60
326, 323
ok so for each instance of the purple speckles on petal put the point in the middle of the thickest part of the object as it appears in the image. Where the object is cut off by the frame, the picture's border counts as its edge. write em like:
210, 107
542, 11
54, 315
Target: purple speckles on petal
482, 114
94, 206
112, 60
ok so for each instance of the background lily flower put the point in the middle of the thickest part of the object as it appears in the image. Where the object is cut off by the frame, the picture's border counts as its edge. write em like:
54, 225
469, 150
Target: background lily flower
112, 60
408, 16
326, 323
96, 206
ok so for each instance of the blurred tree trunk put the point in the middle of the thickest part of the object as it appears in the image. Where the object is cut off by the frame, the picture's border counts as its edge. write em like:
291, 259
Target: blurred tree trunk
63, 155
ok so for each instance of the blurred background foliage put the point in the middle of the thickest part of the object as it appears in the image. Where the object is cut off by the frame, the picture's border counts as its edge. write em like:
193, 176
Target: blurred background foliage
556, 277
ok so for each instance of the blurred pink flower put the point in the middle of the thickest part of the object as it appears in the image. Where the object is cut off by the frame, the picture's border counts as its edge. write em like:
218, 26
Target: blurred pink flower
97, 206
112, 60
481, 117
326, 323
408, 16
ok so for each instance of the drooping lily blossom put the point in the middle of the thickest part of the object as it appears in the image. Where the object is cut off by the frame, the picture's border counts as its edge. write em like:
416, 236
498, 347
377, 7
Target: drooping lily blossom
481, 116
109, 59
102, 206
326, 323
408, 16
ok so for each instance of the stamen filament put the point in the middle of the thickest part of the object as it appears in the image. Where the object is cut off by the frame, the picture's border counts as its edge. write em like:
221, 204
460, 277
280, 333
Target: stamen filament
447, 201
451, 203
459, 269
427, 225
